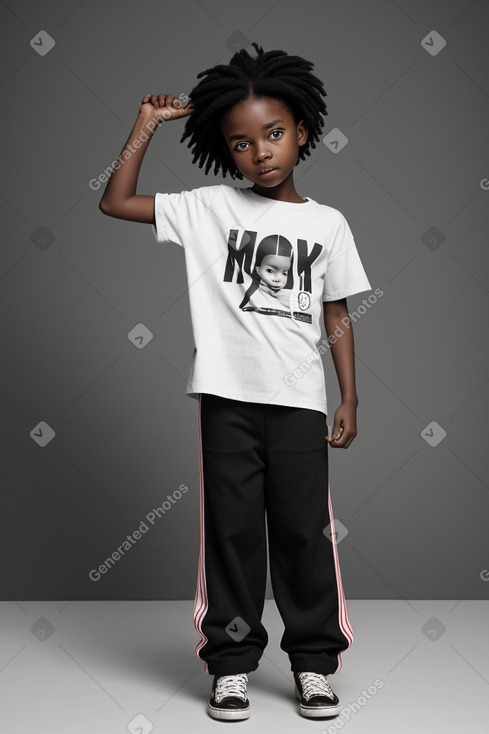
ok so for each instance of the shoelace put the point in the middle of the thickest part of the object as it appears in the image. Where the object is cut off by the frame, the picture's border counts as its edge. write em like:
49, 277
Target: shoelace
231, 685
315, 684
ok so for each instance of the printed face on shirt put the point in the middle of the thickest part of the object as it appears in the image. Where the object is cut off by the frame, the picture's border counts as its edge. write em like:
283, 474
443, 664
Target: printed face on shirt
272, 265
263, 140
273, 272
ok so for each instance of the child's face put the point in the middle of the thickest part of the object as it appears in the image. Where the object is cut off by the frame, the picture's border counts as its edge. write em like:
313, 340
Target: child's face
274, 270
262, 134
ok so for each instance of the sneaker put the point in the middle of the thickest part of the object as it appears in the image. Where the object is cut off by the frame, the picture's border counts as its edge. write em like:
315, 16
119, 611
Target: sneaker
229, 699
315, 695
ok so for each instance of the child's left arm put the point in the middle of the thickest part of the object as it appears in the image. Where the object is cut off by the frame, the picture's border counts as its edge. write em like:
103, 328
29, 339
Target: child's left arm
337, 322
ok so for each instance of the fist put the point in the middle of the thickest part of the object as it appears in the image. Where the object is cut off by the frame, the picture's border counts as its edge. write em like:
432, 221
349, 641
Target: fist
162, 107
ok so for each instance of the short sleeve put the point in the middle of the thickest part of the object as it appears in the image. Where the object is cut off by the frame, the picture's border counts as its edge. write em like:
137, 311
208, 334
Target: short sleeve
345, 274
173, 217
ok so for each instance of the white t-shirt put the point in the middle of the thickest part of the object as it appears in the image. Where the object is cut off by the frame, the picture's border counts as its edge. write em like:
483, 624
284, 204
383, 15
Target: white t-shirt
258, 271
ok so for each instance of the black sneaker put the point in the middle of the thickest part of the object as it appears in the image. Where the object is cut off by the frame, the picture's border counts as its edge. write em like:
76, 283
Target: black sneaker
229, 699
315, 695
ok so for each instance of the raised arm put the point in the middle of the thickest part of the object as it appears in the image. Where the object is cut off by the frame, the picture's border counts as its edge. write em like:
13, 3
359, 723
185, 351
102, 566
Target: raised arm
120, 199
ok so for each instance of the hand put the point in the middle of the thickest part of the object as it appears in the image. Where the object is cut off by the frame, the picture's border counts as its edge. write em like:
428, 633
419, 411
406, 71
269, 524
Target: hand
344, 427
161, 107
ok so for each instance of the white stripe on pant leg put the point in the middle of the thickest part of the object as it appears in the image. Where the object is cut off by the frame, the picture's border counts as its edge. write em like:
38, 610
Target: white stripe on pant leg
343, 615
200, 606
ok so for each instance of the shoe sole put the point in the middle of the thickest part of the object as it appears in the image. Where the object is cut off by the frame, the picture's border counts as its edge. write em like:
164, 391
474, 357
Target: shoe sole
228, 714
313, 712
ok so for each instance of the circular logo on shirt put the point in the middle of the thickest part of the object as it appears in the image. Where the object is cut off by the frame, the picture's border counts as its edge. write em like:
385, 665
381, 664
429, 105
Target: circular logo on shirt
304, 300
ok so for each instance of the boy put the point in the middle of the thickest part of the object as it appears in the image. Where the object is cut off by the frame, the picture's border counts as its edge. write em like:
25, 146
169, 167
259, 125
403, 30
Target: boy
256, 369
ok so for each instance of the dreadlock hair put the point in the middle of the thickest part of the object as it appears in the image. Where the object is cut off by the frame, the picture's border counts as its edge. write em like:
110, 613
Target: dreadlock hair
273, 74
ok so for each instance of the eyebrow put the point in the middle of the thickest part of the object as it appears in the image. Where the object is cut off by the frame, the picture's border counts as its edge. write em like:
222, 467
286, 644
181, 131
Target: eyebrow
267, 126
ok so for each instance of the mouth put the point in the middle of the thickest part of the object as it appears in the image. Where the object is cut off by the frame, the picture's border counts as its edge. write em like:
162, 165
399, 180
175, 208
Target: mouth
266, 171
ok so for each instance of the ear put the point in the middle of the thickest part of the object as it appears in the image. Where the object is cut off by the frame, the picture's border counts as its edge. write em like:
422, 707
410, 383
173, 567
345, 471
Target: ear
302, 133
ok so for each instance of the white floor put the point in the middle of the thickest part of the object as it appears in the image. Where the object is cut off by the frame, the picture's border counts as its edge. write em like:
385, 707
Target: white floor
419, 667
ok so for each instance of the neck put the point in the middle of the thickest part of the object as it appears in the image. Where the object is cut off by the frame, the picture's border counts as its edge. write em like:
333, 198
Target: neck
285, 191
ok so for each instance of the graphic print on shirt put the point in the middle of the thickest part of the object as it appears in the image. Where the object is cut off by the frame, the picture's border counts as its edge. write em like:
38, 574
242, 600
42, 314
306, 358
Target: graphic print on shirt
270, 265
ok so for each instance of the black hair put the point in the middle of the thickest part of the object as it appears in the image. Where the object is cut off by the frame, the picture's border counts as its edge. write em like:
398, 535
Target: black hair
273, 74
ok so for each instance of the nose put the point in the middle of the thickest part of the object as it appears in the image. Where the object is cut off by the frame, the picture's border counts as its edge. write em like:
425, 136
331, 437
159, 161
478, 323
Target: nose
262, 152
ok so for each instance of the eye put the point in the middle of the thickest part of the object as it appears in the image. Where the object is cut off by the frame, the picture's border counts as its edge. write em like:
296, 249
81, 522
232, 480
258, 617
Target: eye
277, 134
237, 147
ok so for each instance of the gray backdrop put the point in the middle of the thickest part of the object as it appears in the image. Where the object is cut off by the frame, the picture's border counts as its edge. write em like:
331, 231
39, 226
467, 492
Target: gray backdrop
96, 429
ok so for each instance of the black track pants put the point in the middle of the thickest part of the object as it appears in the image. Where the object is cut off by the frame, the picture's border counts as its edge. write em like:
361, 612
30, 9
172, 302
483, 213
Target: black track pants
266, 463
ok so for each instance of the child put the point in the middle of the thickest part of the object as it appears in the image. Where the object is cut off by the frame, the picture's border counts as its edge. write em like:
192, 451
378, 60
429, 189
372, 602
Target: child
257, 372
